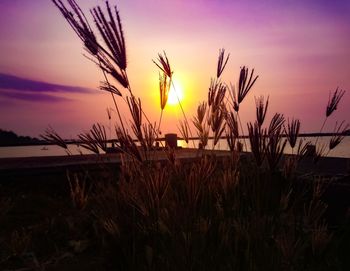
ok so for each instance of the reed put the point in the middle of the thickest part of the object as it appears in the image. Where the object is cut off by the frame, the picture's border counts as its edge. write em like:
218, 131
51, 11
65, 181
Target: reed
257, 139
52, 136
222, 61
79, 191
164, 88
332, 105
261, 109
184, 130
232, 130
292, 131
338, 135
200, 123
242, 212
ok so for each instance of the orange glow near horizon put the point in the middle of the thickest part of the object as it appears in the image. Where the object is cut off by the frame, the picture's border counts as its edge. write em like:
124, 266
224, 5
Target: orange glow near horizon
300, 52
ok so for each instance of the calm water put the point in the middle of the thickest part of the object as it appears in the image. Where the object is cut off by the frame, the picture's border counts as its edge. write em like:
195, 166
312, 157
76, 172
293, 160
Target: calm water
342, 150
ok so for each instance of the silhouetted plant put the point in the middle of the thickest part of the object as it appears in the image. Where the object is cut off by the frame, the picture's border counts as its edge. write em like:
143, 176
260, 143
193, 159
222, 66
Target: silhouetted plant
338, 135
135, 108
110, 88
302, 148
95, 139
274, 148
127, 145
79, 24
79, 191
184, 130
332, 105
53, 137
261, 109
212, 213
276, 124
257, 139
164, 88
200, 124
244, 85
221, 62
292, 131
334, 101
232, 131
148, 134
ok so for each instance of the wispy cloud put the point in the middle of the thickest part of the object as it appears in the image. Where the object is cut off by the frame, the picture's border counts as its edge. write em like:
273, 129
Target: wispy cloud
32, 97
8, 81
14, 87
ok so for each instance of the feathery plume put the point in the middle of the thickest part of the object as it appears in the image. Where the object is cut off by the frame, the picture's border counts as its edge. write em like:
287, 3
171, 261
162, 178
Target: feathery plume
261, 109
112, 34
257, 142
292, 131
338, 135
163, 64
164, 88
106, 86
245, 84
184, 130
53, 137
276, 124
77, 20
334, 101
221, 62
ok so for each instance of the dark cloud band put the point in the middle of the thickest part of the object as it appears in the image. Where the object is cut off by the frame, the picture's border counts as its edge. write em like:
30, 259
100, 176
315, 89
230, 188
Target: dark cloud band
32, 97
14, 87
8, 81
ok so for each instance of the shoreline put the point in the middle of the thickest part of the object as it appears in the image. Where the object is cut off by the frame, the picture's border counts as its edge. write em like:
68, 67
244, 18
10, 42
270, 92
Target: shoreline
52, 164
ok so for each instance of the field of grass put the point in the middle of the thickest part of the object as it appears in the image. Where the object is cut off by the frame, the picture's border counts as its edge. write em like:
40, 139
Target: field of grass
252, 212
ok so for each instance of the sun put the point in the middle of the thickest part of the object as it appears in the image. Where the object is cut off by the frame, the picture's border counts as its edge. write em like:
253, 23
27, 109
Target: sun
176, 94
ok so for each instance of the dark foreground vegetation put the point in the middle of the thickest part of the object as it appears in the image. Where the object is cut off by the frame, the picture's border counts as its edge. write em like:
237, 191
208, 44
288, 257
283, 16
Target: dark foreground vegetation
253, 212
208, 214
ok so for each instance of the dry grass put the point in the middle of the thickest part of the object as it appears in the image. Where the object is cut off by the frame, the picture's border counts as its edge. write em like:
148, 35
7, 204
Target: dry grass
240, 213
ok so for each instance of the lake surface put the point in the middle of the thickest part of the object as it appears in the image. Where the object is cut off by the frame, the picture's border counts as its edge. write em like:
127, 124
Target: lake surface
342, 150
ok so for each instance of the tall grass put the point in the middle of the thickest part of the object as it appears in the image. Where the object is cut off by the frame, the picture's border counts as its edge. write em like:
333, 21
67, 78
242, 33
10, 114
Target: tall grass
249, 212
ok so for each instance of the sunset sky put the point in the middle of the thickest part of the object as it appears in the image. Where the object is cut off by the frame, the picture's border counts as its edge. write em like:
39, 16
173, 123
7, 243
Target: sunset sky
299, 49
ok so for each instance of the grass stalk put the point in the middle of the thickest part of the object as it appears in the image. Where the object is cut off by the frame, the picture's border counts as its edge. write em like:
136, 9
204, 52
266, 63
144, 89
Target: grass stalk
240, 124
318, 136
182, 110
114, 101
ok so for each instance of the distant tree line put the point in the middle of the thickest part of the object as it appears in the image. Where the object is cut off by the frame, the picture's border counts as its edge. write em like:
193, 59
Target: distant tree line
9, 138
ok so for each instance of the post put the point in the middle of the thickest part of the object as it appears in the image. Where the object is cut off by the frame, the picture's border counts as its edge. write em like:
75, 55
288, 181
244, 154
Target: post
171, 140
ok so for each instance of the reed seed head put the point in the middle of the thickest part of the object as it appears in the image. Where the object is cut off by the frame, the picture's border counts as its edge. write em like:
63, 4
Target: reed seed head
245, 84
338, 134
292, 131
334, 101
261, 109
163, 64
221, 62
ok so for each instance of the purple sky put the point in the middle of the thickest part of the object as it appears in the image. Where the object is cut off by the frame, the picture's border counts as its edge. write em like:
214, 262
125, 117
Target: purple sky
300, 49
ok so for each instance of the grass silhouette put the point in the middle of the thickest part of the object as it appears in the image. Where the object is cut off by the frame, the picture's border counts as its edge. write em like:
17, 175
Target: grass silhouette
239, 212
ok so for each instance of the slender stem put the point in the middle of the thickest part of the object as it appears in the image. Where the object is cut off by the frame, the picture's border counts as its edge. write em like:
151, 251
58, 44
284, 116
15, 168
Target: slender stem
182, 110
143, 113
240, 124
115, 102
318, 136
120, 118
160, 120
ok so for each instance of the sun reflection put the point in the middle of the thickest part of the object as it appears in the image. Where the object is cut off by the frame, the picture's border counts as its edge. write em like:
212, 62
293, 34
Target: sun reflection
182, 143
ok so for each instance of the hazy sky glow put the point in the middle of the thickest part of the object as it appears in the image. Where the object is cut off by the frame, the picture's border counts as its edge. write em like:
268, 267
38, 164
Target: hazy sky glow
300, 49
